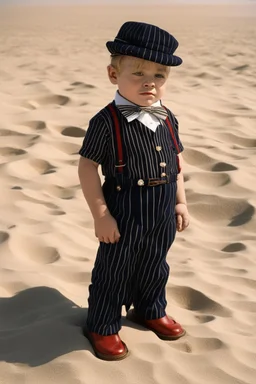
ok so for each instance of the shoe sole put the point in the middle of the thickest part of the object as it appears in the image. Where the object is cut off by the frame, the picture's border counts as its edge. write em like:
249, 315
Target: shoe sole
103, 356
137, 320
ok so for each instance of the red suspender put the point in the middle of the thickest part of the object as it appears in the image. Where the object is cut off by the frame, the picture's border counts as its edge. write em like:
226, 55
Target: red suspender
174, 140
120, 165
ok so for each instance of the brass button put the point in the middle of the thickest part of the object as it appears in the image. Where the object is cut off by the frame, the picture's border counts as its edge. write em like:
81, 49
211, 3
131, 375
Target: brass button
163, 174
140, 183
163, 164
118, 188
158, 148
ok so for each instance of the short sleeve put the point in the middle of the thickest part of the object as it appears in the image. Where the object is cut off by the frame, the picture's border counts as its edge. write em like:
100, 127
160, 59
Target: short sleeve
95, 143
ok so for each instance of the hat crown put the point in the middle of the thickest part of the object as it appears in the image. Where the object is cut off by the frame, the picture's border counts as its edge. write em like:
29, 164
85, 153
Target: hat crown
145, 41
147, 36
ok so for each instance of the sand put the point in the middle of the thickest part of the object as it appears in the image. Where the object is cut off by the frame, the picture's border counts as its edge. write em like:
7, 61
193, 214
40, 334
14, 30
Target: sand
53, 79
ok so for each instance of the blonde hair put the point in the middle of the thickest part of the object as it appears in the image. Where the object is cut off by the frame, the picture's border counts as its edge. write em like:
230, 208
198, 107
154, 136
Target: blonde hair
116, 62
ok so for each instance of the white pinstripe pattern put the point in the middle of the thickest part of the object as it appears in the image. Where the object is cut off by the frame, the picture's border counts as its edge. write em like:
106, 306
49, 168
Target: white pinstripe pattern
146, 41
135, 269
139, 142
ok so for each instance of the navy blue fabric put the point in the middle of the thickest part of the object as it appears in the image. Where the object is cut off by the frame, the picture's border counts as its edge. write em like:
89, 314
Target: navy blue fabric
134, 270
139, 146
145, 41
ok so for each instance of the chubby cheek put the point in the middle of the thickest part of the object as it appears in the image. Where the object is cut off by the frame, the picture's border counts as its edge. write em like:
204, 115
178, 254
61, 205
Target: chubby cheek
161, 89
129, 87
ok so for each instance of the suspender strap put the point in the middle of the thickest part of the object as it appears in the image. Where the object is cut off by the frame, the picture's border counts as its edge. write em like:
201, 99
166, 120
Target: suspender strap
120, 164
174, 139
172, 133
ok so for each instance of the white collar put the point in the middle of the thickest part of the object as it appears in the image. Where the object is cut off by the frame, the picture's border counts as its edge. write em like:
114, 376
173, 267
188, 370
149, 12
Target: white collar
145, 118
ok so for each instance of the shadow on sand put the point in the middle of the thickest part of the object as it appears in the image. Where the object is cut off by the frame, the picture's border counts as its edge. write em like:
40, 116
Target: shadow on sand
39, 324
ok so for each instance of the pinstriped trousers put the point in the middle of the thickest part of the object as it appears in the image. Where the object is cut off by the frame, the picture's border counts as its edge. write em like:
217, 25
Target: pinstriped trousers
134, 270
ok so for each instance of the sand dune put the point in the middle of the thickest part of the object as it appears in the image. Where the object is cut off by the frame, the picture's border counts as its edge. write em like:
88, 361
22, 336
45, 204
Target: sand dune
53, 79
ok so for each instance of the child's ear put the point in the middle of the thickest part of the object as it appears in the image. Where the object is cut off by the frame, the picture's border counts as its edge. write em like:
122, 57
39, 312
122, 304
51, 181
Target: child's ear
112, 74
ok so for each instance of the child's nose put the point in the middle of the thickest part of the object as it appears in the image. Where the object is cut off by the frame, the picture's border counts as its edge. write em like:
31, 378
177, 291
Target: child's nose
150, 82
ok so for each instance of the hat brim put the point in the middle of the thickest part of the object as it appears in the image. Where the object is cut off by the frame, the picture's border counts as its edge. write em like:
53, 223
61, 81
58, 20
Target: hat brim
120, 48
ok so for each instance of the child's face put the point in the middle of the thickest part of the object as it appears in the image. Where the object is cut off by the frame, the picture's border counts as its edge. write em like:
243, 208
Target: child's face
140, 81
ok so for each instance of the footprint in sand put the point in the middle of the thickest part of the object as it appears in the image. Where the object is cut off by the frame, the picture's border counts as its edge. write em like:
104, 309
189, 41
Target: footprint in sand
26, 65
210, 208
199, 344
241, 68
53, 99
3, 236
42, 166
223, 167
59, 100
202, 319
200, 160
234, 247
22, 139
9, 151
29, 168
244, 217
60, 192
241, 107
80, 86
69, 131
36, 125
234, 54
32, 82
57, 213
8, 132
34, 249
73, 131
207, 76
194, 300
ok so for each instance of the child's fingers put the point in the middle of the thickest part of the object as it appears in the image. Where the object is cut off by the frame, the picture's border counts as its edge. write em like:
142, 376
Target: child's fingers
185, 223
117, 236
179, 222
114, 238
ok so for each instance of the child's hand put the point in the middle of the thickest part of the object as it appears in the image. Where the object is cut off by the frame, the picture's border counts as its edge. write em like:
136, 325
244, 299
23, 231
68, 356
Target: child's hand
182, 217
106, 229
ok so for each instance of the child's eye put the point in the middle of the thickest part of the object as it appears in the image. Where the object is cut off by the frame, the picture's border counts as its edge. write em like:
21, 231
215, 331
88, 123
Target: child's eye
159, 76
138, 73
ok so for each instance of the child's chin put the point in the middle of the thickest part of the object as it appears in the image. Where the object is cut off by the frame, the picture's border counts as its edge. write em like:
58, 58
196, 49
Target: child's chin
147, 100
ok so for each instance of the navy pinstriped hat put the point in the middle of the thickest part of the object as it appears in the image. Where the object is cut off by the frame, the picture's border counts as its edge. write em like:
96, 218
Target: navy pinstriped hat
145, 41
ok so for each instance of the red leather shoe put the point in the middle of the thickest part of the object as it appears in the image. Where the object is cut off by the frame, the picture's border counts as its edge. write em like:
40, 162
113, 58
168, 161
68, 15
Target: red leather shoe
107, 347
165, 327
